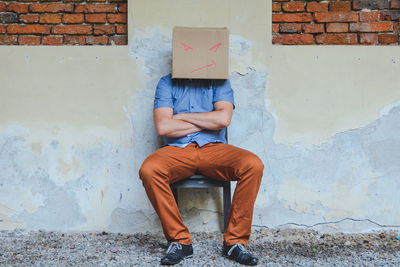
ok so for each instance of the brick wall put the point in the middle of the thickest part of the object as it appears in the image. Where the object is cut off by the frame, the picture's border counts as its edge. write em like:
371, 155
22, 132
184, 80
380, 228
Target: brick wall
357, 22
67, 22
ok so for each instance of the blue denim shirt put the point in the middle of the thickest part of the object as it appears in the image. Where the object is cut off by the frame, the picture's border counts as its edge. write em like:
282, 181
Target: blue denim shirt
193, 96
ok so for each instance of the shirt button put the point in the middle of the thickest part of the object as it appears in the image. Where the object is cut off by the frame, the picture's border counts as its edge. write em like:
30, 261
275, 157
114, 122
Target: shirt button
192, 107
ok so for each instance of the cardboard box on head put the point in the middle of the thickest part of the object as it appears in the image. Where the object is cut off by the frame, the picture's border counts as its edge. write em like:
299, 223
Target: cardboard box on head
200, 53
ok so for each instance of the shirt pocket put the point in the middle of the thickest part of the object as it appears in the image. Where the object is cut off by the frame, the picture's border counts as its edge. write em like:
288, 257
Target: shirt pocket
180, 100
207, 100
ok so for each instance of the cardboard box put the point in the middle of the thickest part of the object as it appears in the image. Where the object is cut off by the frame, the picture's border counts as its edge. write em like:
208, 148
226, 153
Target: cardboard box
200, 53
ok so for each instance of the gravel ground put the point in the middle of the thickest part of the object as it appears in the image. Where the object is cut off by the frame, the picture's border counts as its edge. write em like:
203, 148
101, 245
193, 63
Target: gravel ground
274, 247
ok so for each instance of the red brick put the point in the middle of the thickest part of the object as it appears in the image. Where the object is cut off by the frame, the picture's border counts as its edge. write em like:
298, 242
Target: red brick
369, 16
72, 18
3, 7
125, 0
74, 40
275, 27
103, 29
390, 15
51, 7
29, 18
123, 8
337, 38
117, 18
369, 38
293, 6
388, 38
313, 28
384, 26
296, 17
2, 29
394, 4
72, 29
96, 8
96, 0
8, 39
293, 39
17, 8
29, 40
340, 6
317, 7
276, 7
95, 18
119, 40
336, 17
337, 27
50, 18
290, 27
29, 29
52, 40
96, 40
122, 29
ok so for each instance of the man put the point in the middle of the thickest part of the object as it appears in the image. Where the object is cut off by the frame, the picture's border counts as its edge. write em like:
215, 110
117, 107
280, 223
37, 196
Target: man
192, 115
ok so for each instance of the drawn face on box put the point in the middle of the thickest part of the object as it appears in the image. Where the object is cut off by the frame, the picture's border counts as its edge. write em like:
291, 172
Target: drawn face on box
200, 53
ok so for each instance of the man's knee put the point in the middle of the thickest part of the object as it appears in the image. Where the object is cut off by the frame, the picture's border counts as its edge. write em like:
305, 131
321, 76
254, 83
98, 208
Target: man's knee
257, 164
145, 171
253, 164
149, 172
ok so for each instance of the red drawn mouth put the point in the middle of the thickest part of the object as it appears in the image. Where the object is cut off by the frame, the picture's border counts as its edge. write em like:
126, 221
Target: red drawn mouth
206, 66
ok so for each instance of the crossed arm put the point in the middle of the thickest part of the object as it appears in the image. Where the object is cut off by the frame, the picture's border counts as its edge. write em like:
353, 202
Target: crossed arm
182, 124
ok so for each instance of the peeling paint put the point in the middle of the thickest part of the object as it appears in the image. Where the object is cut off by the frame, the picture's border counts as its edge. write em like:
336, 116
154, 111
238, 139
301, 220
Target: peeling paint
56, 197
386, 110
352, 175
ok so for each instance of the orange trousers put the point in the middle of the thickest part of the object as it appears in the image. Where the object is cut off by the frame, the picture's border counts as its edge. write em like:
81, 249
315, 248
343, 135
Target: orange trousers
215, 160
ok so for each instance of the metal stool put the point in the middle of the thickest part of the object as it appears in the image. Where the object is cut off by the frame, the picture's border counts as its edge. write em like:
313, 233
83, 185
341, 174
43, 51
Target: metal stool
200, 181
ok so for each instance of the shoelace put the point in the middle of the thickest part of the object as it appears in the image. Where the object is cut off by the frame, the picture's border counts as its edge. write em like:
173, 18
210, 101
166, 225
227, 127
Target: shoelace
240, 246
173, 247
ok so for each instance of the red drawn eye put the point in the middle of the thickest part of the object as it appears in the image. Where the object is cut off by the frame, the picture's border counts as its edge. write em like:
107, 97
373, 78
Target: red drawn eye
215, 47
186, 47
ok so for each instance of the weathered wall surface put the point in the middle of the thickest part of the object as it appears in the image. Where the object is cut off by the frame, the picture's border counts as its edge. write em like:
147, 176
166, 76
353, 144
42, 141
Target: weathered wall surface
76, 123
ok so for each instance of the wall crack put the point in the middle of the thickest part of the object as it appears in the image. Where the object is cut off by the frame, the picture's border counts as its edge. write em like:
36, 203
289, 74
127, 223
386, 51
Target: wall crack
336, 222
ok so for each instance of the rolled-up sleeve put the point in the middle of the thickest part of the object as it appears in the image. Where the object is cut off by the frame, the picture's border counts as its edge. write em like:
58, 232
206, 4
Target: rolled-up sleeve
163, 95
223, 91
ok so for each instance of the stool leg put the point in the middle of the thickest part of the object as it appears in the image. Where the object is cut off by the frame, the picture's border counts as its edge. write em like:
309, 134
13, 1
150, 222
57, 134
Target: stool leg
227, 202
175, 193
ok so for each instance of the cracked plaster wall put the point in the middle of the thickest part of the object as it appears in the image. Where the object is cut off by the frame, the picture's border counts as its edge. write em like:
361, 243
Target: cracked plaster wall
76, 124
